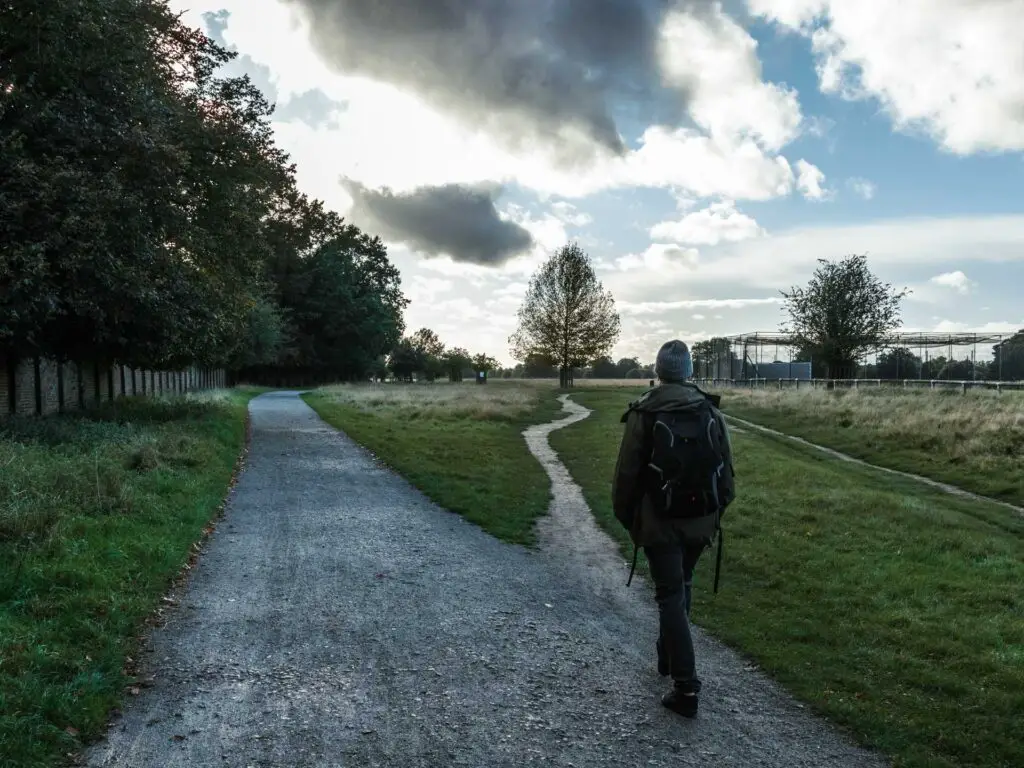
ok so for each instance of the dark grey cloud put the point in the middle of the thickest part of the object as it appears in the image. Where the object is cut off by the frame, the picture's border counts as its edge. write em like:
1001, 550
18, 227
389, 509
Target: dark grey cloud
522, 68
453, 219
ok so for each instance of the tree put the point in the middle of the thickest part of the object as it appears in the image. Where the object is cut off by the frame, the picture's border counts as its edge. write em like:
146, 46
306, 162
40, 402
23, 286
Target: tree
843, 312
566, 318
627, 366
1008, 359
457, 360
898, 363
483, 363
431, 348
405, 360
347, 315
604, 368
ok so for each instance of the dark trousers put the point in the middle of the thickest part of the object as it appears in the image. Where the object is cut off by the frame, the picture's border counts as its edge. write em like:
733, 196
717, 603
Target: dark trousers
672, 572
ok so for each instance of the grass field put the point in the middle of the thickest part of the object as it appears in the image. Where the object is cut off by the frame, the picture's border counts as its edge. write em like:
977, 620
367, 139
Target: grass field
461, 444
973, 440
98, 513
891, 608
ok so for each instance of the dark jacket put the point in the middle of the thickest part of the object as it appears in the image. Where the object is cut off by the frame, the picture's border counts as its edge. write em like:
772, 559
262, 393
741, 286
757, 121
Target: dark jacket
631, 505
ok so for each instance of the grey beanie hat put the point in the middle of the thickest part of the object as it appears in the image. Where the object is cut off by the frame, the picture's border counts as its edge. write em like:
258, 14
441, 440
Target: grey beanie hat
674, 362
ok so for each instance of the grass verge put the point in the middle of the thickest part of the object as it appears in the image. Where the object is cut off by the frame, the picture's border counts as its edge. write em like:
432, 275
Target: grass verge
894, 610
461, 445
973, 440
98, 513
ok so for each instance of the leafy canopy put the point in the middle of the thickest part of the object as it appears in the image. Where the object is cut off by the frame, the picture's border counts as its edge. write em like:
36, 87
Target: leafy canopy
842, 313
566, 318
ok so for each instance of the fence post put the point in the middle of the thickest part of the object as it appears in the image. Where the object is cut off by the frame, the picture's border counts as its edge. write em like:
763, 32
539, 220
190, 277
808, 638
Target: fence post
37, 383
60, 387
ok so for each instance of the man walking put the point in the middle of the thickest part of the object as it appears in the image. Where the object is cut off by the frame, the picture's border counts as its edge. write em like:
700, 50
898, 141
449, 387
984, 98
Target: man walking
673, 480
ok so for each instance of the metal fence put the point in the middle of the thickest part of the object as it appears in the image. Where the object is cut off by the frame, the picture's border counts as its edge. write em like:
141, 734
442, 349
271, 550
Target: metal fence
899, 384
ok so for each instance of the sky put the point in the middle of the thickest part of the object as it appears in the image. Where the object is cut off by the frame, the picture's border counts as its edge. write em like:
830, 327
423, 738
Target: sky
704, 154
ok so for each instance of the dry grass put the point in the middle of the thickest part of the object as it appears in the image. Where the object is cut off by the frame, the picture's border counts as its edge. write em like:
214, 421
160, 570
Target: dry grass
500, 402
975, 440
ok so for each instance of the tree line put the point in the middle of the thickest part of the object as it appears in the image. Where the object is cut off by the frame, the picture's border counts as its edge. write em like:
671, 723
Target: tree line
149, 219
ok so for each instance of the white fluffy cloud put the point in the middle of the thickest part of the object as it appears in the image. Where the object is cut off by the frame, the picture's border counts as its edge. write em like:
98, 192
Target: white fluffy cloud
719, 222
715, 61
663, 257
810, 181
953, 68
957, 281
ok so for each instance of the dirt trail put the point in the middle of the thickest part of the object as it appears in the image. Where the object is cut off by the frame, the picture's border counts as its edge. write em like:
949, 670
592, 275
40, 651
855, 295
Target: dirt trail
339, 618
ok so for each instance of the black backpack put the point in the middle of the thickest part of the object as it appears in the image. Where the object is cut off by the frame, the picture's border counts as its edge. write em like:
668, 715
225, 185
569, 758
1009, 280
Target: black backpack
686, 464
684, 474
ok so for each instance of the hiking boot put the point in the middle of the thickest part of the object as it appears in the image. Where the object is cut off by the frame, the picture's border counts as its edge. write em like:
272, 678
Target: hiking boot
663, 669
681, 703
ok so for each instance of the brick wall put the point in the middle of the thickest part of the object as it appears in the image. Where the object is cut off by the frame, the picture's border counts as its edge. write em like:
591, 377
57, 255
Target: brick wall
43, 387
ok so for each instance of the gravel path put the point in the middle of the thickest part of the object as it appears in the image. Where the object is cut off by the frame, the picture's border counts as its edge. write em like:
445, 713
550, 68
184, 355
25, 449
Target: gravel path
338, 618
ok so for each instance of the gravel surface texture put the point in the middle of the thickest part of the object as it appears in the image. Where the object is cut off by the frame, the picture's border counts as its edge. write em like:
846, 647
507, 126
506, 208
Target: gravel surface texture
339, 618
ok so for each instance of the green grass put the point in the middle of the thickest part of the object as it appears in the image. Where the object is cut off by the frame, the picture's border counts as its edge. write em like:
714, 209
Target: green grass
974, 440
892, 609
98, 513
460, 444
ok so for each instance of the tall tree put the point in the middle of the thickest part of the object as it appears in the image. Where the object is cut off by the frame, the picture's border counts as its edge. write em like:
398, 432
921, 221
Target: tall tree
603, 368
566, 318
405, 360
1008, 359
842, 313
484, 363
350, 312
457, 360
628, 367
431, 348
898, 363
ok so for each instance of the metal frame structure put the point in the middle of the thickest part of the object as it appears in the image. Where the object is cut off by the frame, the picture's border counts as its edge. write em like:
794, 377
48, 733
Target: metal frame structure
747, 348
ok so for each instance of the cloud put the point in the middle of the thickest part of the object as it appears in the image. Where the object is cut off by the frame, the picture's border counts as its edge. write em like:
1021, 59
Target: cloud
313, 107
955, 326
788, 257
458, 221
569, 214
659, 256
717, 223
810, 180
861, 187
690, 129
424, 289
656, 307
708, 55
957, 281
951, 69
549, 70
